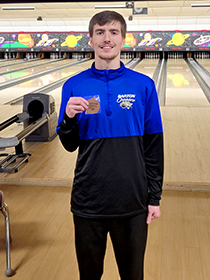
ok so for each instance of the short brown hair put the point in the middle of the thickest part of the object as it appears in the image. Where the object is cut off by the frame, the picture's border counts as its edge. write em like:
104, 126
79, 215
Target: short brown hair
105, 17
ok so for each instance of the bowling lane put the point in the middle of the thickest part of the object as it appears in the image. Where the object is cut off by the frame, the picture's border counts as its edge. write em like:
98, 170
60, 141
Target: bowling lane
205, 63
23, 64
4, 62
11, 93
19, 62
32, 70
147, 67
182, 89
125, 60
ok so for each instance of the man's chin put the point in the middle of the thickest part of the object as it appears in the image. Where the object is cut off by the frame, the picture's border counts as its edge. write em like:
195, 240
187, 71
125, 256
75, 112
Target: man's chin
107, 57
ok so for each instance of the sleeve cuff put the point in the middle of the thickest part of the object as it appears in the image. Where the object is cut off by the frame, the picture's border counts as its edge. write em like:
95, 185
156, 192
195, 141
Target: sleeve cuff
69, 122
154, 202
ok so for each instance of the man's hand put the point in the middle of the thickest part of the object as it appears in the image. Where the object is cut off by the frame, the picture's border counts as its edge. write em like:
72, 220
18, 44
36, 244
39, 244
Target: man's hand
153, 213
76, 105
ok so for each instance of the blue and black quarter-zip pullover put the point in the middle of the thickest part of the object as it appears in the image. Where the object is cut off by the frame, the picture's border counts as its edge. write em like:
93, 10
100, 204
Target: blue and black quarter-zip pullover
119, 169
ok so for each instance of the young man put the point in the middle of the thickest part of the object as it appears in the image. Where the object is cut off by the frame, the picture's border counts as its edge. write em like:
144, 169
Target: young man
112, 114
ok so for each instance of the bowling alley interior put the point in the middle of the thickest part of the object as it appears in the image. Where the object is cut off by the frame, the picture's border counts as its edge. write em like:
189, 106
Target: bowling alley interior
42, 45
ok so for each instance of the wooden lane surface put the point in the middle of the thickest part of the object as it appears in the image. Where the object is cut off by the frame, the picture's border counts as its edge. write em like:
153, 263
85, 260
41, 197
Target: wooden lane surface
147, 67
183, 89
9, 67
205, 63
186, 121
43, 237
186, 145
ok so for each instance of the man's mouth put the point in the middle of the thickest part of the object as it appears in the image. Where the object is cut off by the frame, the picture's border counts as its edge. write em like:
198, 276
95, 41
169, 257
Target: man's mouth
106, 47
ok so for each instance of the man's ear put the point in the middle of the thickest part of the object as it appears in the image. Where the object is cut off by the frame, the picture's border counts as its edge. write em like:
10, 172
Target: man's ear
123, 43
91, 42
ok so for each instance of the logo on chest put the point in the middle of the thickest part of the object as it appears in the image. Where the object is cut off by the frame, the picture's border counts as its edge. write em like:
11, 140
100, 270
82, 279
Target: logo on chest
126, 101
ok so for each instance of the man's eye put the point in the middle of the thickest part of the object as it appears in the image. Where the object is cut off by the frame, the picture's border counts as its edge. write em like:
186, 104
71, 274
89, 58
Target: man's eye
99, 33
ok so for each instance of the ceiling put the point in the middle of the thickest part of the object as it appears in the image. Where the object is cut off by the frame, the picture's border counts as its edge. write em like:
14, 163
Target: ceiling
84, 10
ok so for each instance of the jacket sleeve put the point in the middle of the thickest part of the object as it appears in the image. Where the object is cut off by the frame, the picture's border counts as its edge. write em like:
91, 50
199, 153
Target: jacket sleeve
153, 147
67, 128
68, 133
153, 153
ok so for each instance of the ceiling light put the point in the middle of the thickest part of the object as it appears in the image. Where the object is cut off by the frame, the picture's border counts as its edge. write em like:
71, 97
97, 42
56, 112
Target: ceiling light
128, 5
18, 8
200, 5
109, 6
140, 11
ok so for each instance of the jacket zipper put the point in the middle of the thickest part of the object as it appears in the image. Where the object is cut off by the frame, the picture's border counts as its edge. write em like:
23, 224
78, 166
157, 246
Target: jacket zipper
108, 95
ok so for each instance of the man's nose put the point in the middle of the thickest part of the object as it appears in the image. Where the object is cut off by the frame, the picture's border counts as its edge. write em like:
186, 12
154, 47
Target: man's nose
106, 37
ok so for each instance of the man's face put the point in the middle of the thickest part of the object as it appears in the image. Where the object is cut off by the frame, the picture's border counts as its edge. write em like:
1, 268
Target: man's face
107, 41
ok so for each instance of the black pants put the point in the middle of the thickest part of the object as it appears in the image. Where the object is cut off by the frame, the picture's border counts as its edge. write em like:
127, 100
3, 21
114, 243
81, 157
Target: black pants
128, 237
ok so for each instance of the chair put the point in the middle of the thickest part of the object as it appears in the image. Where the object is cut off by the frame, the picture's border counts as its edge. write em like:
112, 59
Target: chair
4, 209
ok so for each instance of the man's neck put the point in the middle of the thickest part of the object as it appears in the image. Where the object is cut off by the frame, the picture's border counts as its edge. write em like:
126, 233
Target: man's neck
106, 64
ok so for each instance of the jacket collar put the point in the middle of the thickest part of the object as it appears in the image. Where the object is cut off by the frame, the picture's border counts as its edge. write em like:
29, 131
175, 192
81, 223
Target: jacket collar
108, 74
